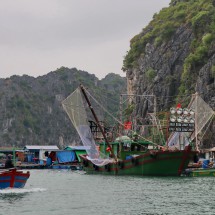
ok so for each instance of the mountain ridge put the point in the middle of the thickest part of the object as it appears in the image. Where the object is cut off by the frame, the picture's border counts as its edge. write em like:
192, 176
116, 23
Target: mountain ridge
31, 110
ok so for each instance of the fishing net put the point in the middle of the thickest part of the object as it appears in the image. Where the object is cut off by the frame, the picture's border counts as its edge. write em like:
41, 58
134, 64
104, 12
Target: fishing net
75, 108
202, 115
178, 141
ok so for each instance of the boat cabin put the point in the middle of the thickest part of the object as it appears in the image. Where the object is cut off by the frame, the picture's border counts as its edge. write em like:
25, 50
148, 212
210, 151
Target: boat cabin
124, 148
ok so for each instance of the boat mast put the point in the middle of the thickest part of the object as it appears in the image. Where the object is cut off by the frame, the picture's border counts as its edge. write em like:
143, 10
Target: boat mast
97, 121
196, 127
120, 114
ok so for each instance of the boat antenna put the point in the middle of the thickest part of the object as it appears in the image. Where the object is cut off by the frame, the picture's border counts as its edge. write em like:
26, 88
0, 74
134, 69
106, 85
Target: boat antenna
97, 121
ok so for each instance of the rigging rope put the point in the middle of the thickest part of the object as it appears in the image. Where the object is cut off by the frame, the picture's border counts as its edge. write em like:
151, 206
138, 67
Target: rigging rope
117, 119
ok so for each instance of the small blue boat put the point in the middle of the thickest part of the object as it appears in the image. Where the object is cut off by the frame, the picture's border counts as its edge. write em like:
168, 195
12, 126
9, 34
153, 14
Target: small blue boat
12, 178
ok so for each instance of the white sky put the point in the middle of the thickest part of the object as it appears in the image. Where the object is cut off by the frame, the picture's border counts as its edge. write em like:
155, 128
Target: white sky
39, 36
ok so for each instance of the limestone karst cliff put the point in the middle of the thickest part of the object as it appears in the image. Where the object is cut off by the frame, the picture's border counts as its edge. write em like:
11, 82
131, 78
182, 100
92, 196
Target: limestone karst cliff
31, 111
174, 57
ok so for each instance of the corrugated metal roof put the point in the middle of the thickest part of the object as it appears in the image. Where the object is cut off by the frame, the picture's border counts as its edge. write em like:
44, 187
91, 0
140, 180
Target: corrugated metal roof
36, 147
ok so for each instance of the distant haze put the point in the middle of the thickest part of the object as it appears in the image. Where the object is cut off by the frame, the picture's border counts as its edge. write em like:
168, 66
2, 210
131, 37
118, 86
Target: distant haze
39, 36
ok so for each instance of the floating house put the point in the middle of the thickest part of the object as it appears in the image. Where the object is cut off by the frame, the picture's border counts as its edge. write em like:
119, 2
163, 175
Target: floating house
52, 156
39, 154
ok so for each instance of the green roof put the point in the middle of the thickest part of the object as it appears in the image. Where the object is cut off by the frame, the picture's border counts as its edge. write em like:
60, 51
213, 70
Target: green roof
80, 152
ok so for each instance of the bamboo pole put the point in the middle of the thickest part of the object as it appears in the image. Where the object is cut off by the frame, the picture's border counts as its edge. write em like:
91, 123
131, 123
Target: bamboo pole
97, 121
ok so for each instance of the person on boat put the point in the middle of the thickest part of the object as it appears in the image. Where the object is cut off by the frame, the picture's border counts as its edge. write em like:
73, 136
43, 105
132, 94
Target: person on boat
196, 158
8, 162
135, 137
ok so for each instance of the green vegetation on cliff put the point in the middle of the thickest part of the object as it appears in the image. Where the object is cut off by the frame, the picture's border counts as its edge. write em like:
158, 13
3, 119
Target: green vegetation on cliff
197, 15
31, 111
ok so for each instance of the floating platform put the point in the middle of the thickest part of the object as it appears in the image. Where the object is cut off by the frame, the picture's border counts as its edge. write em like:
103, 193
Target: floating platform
55, 166
31, 166
72, 167
200, 172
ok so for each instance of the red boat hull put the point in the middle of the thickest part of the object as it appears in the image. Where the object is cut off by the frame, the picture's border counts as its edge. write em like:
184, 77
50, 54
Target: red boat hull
13, 178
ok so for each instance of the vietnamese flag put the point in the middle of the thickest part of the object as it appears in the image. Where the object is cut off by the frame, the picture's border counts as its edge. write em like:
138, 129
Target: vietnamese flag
178, 105
127, 125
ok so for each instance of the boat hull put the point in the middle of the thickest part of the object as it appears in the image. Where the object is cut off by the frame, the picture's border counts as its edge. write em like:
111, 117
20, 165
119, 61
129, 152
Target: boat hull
167, 163
13, 179
201, 173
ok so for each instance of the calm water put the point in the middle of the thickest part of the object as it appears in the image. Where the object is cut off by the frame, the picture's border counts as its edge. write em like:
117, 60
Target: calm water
50, 192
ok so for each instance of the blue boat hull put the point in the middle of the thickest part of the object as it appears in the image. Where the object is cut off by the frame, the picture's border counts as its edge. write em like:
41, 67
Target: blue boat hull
13, 179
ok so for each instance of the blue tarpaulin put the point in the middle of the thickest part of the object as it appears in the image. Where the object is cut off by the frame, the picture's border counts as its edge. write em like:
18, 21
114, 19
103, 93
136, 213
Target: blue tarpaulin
205, 163
65, 156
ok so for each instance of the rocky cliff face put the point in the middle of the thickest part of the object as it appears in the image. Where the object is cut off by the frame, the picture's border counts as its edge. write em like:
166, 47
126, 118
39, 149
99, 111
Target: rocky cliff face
31, 111
174, 56
165, 63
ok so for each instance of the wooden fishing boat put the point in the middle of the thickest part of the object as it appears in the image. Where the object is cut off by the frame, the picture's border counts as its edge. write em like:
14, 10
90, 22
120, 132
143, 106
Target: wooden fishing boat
138, 156
13, 178
149, 163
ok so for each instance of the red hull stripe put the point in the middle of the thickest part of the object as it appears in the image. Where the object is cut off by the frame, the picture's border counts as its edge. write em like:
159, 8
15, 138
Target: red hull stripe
21, 181
9, 174
157, 153
152, 160
3, 181
146, 162
140, 163
183, 156
12, 176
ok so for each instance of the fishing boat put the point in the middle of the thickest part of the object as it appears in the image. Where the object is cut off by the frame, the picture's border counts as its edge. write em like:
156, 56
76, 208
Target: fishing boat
134, 155
146, 163
13, 178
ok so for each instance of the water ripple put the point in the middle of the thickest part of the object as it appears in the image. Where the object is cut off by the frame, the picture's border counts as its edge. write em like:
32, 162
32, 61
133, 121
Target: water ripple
68, 193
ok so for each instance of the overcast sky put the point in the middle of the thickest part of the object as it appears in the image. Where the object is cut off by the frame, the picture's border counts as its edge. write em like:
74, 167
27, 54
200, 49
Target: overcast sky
39, 36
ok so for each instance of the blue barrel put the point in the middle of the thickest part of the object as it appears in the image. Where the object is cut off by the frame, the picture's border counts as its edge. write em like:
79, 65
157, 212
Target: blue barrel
48, 162
128, 157
205, 164
30, 158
